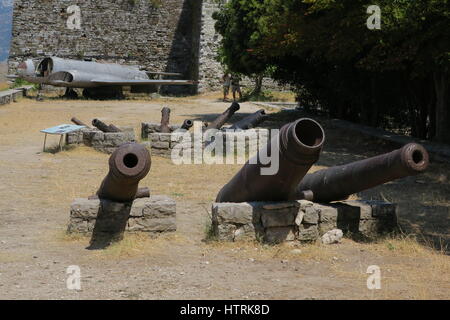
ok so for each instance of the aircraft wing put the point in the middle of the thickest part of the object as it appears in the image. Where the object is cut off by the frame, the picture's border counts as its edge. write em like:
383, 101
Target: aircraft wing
142, 82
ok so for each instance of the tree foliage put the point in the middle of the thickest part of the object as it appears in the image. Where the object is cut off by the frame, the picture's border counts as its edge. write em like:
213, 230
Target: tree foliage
396, 76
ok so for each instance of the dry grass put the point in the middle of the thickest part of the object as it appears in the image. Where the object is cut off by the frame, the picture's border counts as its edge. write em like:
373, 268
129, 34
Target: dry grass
4, 86
262, 252
409, 270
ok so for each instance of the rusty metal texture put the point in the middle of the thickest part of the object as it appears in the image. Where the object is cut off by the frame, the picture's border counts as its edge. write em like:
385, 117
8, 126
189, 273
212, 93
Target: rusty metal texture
78, 122
300, 144
113, 128
165, 119
224, 117
187, 124
128, 165
338, 183
141, 193
251, 121
100, 125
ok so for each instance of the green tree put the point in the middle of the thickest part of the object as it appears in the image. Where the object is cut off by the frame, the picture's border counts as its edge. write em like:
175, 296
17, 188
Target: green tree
397, 76
237, 22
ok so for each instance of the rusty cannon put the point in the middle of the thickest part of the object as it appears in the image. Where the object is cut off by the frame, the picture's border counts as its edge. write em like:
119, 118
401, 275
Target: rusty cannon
251, 121
300, 144
78, 122
338, 183
165, 120
187, 124
100, 125
224, 117
128, 165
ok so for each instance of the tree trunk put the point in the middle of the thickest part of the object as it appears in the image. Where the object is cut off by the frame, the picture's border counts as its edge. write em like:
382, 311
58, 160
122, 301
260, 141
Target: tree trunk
258, 84
441, 85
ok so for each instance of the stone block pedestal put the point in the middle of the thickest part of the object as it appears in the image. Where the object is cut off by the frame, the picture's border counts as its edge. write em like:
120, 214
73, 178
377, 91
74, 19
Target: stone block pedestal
100, 141
305, 221
154, 215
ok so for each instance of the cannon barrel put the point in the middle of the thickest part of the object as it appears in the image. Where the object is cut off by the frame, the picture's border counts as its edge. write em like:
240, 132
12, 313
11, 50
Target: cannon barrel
251, 121
187, 124
78, 122
113, 128
100, 125
300, 144
165, 119
128, 165
338, 183
224, 117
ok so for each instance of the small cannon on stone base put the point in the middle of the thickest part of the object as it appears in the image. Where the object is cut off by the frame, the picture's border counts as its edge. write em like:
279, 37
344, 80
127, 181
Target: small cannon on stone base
100, 125
251, 121
224, 117
128, 165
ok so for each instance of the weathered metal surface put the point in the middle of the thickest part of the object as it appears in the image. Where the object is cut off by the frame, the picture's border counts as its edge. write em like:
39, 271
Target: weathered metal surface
113, 128
224, 117
100, 125
141, 193
187, 124
165, 120
338, 183
78, 122
251, 121
300, 144
129, 164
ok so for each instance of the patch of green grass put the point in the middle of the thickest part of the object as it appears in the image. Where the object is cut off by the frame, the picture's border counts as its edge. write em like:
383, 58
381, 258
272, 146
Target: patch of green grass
21, 83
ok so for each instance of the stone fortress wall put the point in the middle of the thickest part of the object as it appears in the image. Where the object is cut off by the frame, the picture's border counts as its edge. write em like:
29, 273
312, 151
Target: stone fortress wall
161, 35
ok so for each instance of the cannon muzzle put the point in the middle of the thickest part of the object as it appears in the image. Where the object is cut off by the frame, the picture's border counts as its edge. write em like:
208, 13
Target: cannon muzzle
224, 117
128, 165
187, 124
300, 144
100, 125
338, 183
251, 121
165, 119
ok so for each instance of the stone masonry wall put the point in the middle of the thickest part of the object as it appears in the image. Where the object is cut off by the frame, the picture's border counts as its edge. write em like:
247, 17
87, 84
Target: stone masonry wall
303, 221
160, 35
165, 36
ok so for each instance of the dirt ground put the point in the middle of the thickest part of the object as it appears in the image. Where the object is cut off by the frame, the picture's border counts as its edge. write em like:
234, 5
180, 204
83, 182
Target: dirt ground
36, 190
